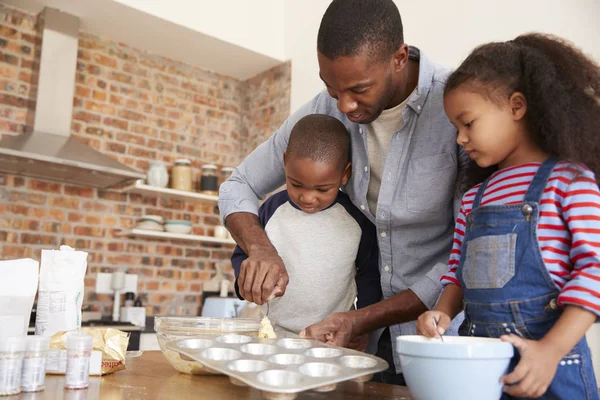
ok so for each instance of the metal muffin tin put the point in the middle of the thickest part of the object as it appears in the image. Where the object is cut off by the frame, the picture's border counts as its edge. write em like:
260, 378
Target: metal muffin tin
281, 368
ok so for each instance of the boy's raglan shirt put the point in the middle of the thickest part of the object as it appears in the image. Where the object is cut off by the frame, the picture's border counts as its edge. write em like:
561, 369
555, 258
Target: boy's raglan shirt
330, 257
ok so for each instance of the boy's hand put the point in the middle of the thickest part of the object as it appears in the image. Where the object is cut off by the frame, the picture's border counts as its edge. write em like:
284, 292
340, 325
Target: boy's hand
262, 276
426, 327
534, 372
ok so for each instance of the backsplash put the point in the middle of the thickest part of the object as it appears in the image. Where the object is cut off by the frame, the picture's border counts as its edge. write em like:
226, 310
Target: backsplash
135, 107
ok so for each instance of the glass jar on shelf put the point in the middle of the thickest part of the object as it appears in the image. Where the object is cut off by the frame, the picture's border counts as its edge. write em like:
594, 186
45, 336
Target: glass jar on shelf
225, 174
181, 175
209, 182
157, 175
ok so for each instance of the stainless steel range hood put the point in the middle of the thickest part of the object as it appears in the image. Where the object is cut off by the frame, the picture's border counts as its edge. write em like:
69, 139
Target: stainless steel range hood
49, 152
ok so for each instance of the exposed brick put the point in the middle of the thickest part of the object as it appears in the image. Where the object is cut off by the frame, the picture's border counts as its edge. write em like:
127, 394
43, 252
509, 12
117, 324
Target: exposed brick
106, 61
36, 212
195, 287
141, 152
89, 231
8, 32
82, 91
167, 286
53, 227
99, 95
117, 123
18, 251
79, 191
109, 220
129, 138
57, 214
76, 217
112, 195
45, 186
116, 147
121, 77
87, 117
116, 100
36, 198
95, 206
16, 101
84, 55
132, 116
9, 58
63, 202
28, 238
93, 220
181, 286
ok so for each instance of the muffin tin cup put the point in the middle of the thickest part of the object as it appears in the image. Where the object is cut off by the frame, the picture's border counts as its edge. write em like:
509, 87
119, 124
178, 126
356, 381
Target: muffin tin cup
280, 368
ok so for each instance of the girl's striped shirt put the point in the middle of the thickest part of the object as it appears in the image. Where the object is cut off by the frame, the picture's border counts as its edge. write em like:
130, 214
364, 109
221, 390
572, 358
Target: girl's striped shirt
568, 228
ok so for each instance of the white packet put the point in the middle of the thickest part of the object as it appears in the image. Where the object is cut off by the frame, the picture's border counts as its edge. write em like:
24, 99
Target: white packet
61, 291
18, 285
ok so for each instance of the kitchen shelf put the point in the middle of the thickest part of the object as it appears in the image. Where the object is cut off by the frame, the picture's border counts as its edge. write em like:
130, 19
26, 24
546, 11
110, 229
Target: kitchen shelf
153, 191
177, 236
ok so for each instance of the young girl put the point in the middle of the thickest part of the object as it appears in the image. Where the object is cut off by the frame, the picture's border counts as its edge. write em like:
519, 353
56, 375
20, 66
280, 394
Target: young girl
525, 265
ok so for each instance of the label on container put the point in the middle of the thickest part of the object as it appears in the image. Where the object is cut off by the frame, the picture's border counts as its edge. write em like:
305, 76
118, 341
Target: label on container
34, 373
10, 376
78, 370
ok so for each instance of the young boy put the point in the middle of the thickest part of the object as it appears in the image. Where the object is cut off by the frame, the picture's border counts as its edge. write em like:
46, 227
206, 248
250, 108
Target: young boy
328, 246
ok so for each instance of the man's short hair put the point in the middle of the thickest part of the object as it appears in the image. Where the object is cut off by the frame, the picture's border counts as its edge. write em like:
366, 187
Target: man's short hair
350, 27
320, 138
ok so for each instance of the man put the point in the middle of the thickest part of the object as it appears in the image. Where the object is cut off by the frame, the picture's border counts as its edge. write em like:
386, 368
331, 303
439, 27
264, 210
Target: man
405, 167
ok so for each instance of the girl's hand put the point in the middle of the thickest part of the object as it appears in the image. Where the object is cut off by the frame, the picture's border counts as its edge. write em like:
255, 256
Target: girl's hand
426, 327
535, 371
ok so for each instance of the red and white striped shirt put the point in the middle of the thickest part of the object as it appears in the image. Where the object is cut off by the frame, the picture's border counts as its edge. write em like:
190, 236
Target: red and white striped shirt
568, 228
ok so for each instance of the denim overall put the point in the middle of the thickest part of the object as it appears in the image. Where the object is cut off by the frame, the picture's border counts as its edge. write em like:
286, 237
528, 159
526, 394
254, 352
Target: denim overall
507, 288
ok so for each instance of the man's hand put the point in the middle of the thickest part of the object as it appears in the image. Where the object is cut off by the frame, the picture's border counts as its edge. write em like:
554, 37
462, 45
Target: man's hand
262, 276
359, 343
339, 329
534, 372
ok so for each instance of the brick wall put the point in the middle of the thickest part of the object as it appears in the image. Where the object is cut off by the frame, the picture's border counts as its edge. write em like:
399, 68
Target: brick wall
135, 107
265, 110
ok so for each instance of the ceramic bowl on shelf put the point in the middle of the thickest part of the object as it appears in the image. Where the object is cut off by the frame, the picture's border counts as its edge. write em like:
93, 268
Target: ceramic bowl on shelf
178, 226
154, 218
151, 223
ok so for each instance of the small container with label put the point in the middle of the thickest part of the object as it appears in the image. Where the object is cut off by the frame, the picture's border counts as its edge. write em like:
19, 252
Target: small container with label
209, 182
34, 364
225, 174
181, 175
12, 350
79, 350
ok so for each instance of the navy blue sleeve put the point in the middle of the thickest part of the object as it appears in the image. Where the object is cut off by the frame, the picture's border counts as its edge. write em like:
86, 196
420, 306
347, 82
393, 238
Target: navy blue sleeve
368, 278
265, 212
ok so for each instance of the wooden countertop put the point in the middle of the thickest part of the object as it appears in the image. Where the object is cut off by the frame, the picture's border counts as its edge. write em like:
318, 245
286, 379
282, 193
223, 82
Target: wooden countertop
150, 377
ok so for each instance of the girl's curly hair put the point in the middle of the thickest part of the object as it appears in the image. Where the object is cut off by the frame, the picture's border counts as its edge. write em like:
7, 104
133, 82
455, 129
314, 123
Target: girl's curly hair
561, 86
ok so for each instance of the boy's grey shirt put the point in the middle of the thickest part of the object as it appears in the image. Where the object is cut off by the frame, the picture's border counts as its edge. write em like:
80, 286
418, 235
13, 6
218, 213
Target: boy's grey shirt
418, 199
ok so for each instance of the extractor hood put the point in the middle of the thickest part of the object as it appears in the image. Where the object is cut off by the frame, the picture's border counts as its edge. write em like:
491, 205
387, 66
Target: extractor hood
49, 152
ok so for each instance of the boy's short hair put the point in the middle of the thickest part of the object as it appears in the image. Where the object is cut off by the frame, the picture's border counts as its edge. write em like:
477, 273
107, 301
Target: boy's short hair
320, 138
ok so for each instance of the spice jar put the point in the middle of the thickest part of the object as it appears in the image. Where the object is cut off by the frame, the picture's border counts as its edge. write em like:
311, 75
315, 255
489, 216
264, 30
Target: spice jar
12, 350
157, 175
34, 364
181, 175
225, 174
209, 182
79, 350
